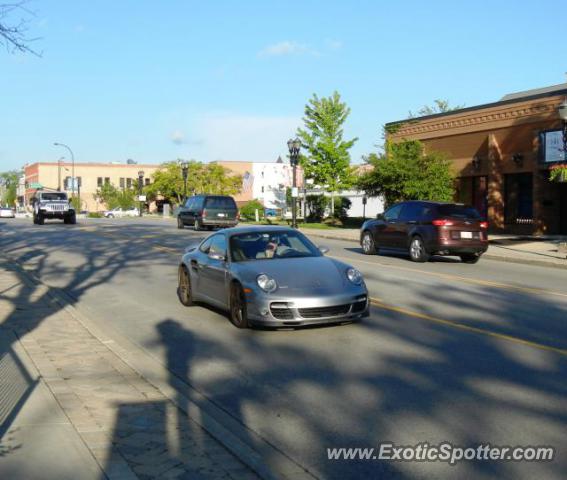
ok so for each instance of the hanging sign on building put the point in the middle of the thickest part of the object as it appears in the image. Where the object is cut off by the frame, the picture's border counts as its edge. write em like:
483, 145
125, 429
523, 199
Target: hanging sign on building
553, 146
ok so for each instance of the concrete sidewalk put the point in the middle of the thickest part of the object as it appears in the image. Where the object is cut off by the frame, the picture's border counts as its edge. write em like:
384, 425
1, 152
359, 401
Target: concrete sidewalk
541, 251
71, 408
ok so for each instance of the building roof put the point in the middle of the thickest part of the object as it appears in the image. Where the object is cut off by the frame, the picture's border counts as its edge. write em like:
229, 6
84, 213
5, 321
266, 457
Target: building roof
534, 94
526, 94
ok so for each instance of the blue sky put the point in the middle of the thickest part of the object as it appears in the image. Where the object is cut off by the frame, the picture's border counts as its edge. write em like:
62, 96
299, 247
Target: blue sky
155, 81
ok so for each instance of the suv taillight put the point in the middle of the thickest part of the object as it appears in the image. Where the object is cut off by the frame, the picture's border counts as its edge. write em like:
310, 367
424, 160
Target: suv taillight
442, 222
204, 212
484, 225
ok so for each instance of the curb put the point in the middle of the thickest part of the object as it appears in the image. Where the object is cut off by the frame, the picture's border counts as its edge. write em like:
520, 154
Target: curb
211, 418
487, 256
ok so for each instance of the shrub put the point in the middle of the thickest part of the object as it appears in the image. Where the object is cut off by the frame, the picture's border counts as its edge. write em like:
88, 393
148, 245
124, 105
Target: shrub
333, 221
95, 215
342, 204
316, 205
249, 210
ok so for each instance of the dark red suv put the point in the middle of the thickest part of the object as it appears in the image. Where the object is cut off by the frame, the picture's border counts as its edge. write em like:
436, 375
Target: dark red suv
427, 228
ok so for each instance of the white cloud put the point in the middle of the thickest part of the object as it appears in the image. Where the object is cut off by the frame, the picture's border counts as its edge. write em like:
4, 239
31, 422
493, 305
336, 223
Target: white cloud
230, 136
334, 44
178, 137
286, 47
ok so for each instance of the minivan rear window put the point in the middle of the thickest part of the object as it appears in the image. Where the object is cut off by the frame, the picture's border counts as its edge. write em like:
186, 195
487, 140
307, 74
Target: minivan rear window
222, 203
459, 211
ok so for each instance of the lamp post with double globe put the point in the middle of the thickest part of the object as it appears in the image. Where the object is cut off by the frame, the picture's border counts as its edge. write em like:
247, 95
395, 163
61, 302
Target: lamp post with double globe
140, 185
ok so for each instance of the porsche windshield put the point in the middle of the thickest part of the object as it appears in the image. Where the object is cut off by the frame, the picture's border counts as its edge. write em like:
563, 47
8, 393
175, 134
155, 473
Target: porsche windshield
267, 245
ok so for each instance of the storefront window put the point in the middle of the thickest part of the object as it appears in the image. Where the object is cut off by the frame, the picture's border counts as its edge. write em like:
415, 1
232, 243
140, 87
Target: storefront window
552, 146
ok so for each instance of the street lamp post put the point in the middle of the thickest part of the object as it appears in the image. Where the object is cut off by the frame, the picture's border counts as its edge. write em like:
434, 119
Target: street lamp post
563, 116
72, 168
59, 173
140, 185
293, 147
184, 172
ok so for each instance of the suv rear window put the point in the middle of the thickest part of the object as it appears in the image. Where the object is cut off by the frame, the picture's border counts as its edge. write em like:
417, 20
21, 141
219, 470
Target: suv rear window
221, 203
459, 211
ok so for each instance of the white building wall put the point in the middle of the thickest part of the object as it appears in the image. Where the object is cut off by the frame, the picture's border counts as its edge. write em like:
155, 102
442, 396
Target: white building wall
374, 205
270, 183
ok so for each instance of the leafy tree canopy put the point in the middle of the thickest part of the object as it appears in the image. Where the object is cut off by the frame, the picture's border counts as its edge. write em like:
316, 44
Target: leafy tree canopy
439, 106
9, 181
116, 197
201, 178
327, 160
407, 172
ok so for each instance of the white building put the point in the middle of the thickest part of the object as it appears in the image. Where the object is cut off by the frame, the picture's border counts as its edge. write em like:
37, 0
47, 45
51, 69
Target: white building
271, 181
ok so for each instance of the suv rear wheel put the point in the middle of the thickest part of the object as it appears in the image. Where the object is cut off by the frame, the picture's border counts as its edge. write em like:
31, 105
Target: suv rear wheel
180, 223
417, 250
198, 225
470, 257
368, 244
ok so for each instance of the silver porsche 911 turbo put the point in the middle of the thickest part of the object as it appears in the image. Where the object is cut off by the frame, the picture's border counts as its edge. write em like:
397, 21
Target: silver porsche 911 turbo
271, 276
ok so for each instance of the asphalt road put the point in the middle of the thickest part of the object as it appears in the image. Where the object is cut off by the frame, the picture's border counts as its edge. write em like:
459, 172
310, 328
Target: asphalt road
468, 354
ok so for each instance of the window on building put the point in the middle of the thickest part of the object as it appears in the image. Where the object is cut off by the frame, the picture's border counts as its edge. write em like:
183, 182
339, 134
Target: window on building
518, 198
67, 183
107, 180
99, 182
147, 180
129, 183
122, 182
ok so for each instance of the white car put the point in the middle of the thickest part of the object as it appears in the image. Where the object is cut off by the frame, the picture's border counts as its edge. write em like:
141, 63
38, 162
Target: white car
7, 212
119, 212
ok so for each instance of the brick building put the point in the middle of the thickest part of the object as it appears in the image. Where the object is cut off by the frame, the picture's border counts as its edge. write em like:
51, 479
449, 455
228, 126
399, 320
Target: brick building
90, 177
502, 153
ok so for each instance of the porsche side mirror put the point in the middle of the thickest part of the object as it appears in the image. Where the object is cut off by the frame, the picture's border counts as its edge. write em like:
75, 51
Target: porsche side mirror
217, 256
323, 249
380, 216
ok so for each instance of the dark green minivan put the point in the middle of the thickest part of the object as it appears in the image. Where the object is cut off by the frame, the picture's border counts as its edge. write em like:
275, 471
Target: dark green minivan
208, 211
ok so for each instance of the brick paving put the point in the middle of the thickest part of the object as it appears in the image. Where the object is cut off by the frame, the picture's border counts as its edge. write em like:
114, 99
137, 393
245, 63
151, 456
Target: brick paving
128, 425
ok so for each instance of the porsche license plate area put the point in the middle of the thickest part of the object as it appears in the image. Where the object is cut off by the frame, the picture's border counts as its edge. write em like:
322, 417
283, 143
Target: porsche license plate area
466, 235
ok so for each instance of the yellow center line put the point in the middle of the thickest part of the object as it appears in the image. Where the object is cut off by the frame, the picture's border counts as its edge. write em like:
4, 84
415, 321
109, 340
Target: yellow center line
448, 276
501, 336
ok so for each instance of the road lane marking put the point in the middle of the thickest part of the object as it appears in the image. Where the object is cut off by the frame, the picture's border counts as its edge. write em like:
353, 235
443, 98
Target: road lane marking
449, 276
501, 336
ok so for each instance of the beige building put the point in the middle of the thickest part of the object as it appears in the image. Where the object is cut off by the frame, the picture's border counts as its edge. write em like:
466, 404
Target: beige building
90, 177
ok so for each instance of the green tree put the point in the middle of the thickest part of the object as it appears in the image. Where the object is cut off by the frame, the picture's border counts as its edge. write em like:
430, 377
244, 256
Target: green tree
407, 172
210, 178
9, 181
114, 197
328, 159
439, 106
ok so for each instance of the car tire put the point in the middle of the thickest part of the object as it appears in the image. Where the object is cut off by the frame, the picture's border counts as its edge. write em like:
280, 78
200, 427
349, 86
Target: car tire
198, 225
180, 223
470, 258
110, 215
184, 290
368, 244
40, 219
237, 307
417, 250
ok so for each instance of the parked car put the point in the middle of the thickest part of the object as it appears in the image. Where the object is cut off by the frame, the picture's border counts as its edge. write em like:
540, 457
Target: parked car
119, 212
7, 212
427, 228
208, 211
271, 276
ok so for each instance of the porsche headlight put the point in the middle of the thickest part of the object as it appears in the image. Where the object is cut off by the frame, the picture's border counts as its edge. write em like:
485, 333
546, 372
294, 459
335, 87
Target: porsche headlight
354, 276
266, 283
